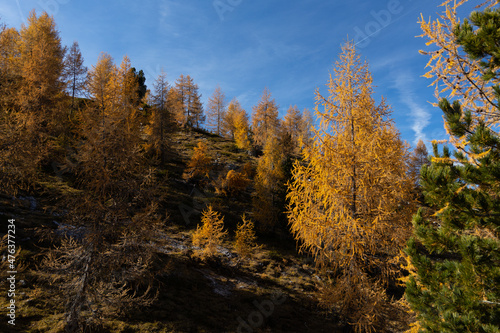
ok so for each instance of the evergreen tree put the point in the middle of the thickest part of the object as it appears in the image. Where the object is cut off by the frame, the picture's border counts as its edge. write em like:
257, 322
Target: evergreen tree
454, 74
140, 78
456, 252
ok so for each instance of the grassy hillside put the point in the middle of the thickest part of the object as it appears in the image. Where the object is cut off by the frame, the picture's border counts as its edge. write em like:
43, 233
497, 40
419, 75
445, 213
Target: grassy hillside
273, 291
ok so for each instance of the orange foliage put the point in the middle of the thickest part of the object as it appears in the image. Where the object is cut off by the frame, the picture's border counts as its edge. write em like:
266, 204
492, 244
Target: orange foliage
200, 164
349, 200
208, 237
233, 184
455, 74
264, 118
245, 237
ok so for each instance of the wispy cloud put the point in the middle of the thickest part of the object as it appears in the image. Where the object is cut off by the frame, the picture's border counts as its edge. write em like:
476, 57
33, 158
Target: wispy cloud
10, 13
421, 117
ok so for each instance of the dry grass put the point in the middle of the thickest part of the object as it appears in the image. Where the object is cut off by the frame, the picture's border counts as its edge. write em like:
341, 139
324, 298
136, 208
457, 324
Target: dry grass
194, 296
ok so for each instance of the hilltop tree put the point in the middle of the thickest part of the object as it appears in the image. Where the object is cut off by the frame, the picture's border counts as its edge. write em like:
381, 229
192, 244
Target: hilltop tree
191, 113
455, 252
348, 199
98, 80
175, 105
241, 130
140, 79
264, 118
233, 110
74, 71
161, 116
112, 131
216, 111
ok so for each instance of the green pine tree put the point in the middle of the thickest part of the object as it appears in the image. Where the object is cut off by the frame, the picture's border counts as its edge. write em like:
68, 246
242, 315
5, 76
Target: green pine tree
455, 286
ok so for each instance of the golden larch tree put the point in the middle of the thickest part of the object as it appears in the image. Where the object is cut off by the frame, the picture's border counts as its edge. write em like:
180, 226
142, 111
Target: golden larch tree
418, 158
268, 180
209, 236
32, 61
216, 110
111, 152
200, 163
9, 52
297, 126
160, 121
191, 113
175, 105
348, 201
244, 239
98, 79
75, 72
235, 125
264, 118
41, 62
107, 270
233, 109
241, 130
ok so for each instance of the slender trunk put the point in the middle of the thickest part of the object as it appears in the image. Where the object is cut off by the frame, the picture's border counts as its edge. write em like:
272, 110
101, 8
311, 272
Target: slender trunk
73, 92
103, 132
353, 204
161, 138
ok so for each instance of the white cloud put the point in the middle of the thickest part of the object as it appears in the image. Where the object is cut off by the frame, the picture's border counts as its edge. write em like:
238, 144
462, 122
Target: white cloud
10, 14
421, 117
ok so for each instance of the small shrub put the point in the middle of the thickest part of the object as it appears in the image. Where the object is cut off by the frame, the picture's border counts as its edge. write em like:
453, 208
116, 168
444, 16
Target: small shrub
233, 184
236, 182
245, 238
248, 170
210, 234
200, 164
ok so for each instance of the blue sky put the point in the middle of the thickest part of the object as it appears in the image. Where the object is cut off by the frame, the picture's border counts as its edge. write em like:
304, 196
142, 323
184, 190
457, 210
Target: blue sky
245, 46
